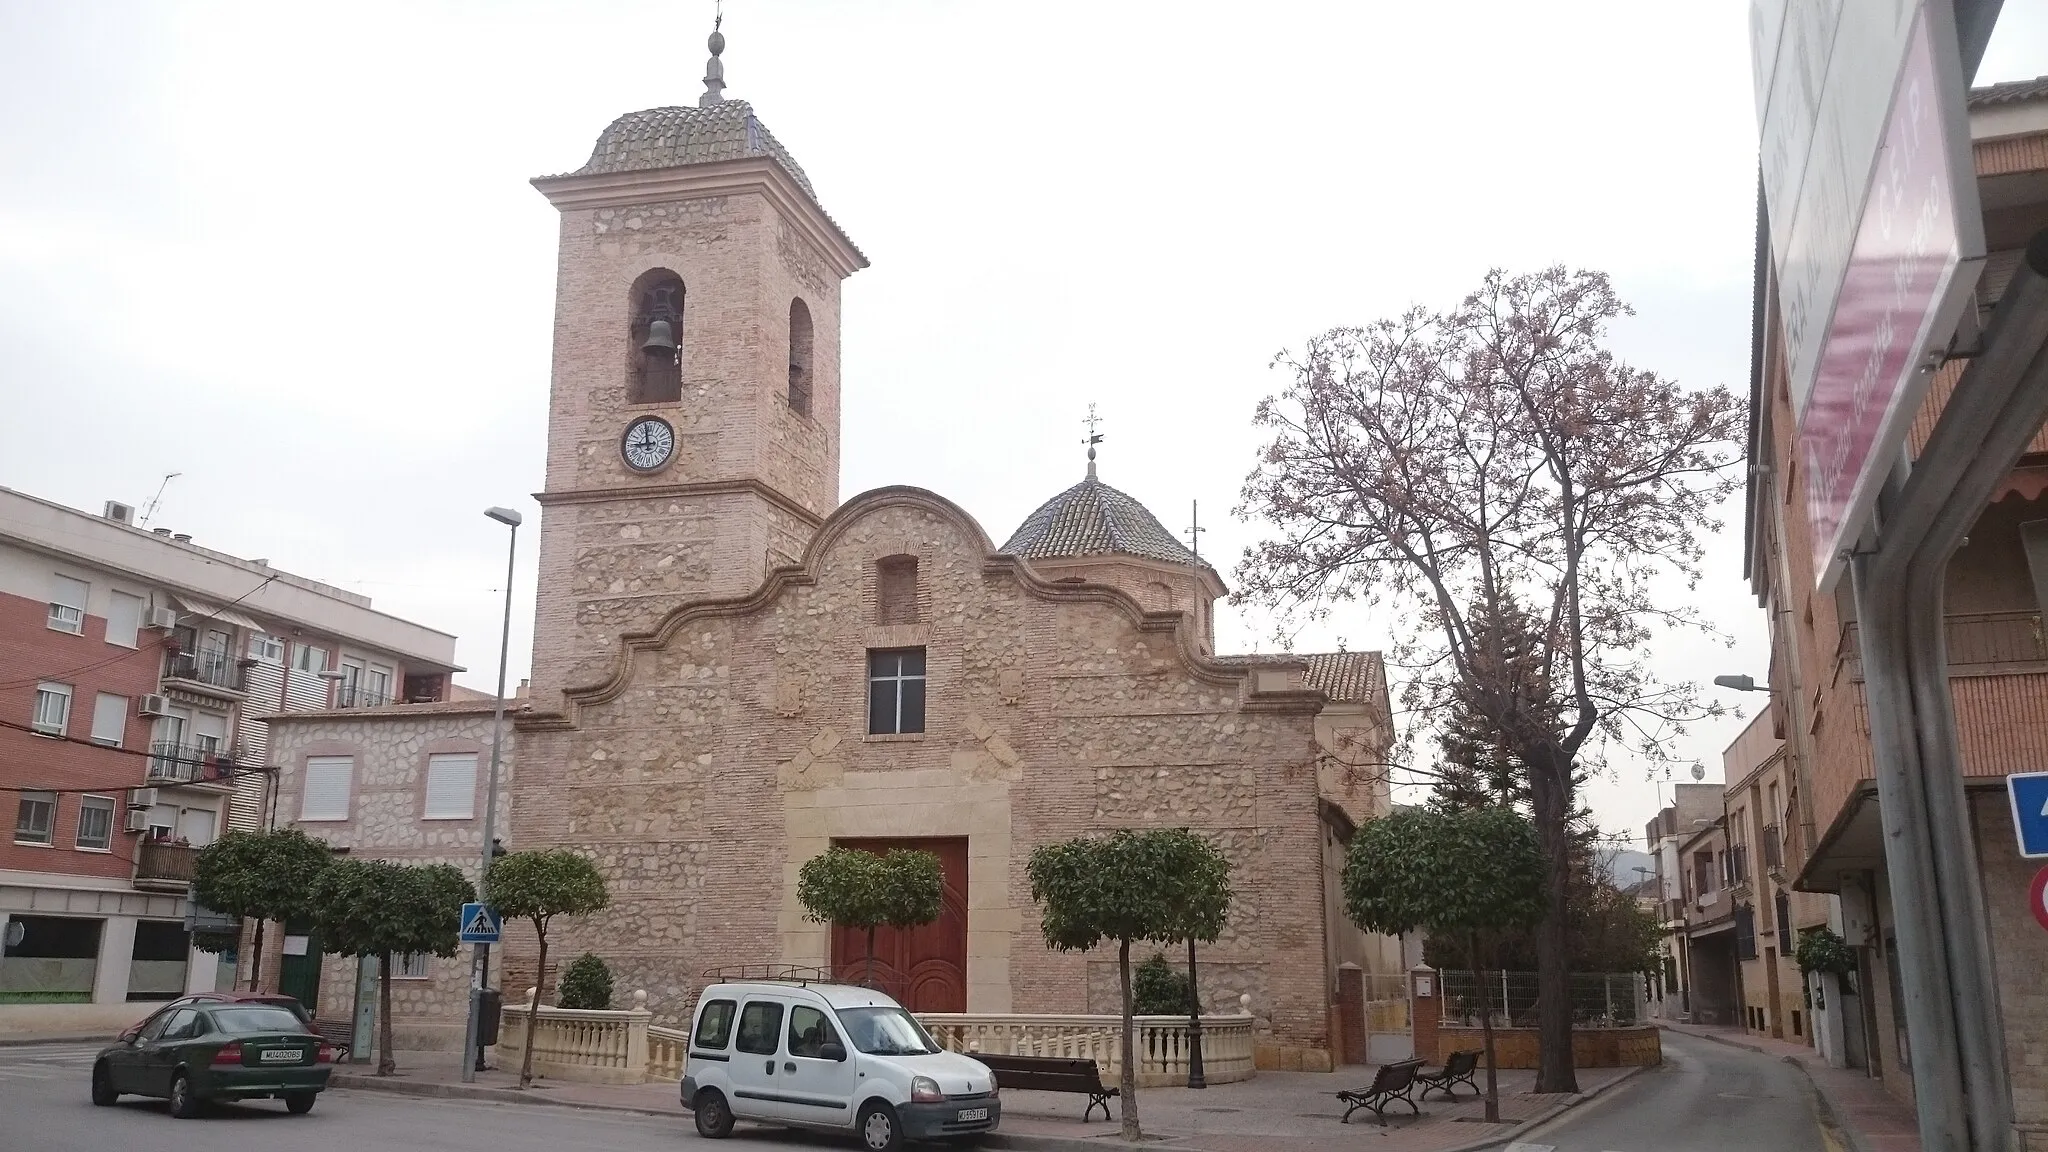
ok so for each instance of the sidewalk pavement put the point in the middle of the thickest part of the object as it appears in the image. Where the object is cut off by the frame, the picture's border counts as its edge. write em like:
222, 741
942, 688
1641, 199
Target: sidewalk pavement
1866, 1117
1299, 1108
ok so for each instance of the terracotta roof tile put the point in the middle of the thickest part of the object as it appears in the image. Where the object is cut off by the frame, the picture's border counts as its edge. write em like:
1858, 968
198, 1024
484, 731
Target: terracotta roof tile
2010, 92
675, 136
1345, 677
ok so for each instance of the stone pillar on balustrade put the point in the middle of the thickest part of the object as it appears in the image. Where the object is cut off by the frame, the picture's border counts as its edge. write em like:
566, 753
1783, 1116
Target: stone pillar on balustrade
1351, 1024
1425, 1011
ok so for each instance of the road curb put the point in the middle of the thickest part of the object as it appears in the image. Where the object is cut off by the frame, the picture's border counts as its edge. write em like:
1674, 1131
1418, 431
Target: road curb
25, 1041
365, 1082
1553, 1112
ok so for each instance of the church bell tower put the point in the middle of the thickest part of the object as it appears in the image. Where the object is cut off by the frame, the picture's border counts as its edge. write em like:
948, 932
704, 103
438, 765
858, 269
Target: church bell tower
693, 421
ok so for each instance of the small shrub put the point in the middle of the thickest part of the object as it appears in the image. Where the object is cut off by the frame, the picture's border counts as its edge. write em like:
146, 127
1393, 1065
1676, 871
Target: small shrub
1160, 989
1821, 950
586, 983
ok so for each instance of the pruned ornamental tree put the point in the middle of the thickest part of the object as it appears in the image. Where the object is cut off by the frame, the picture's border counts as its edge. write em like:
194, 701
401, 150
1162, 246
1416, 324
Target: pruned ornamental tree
260, 876
538, 886
1509, 492
381, 909
900, 888
1470, 873
1165, 885
586, 983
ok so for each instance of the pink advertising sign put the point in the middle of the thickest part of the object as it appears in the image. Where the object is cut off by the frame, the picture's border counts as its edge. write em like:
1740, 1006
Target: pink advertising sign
1899, 298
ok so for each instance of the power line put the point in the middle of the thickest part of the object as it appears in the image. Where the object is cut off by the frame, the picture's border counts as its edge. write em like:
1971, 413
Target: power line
236, 773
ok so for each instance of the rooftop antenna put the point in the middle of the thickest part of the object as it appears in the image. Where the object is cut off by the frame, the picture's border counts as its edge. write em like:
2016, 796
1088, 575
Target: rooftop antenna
157, 499
1195, 528
1094, 437
714, 69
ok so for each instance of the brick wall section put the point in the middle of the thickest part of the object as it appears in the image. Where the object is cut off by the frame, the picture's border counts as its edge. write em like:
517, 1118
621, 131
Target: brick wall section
30, 651
737, 748
387, 802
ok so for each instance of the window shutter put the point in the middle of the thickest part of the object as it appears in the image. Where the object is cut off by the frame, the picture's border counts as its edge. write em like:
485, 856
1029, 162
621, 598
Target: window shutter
124, 618
327, 788
109, 719
451, 786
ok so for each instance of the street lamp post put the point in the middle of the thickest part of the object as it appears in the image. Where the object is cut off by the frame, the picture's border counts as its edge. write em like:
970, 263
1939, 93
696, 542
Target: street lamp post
480, 970
1195, 1079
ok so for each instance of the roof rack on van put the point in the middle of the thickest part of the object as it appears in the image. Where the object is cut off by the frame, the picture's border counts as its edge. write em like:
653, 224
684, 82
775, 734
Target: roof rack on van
787, 973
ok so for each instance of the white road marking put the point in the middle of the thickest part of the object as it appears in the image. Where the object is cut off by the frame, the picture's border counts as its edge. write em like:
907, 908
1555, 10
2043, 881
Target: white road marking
1518, 1146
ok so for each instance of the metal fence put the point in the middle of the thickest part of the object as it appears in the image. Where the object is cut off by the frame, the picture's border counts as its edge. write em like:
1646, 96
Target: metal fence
1599, 999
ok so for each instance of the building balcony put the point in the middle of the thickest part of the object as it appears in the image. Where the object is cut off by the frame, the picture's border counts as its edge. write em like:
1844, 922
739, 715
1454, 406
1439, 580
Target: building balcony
190, 764
165, 866
359, 696
206, 672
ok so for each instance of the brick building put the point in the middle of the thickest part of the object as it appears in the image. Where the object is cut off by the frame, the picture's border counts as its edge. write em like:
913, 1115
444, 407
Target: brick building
1998, 667
134, 668
733, 670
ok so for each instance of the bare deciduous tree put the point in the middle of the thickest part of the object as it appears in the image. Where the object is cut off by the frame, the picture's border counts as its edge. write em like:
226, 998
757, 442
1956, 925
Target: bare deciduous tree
1489, 470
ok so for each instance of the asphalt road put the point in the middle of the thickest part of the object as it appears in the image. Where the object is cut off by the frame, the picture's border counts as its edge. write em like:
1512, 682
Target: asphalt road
1707, 1097
44, 1108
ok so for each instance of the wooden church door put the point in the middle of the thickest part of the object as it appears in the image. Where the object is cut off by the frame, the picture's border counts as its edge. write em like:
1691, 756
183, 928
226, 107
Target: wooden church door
925, 968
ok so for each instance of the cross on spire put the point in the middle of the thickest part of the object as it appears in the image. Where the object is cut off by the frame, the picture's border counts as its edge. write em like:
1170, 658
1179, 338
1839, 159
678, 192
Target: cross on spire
1195, 528
1094, 437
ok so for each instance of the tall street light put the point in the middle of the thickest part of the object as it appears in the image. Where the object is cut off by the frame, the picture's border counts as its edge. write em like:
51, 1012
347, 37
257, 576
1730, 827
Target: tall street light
480, 969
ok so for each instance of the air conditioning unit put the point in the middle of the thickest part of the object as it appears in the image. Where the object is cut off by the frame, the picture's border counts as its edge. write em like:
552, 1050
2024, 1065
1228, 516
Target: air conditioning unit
142, 798
138, 820
152, 704
162, 619
119, 513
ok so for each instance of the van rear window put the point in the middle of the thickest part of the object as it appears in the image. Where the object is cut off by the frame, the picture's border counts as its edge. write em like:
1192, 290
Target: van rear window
714, 1024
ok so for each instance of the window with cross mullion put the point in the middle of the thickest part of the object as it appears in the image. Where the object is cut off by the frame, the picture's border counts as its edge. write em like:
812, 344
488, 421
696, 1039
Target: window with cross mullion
895, 691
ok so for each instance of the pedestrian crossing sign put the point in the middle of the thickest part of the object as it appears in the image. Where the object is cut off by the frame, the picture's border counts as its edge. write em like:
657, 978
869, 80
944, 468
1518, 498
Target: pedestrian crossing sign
2029, 793
480, 924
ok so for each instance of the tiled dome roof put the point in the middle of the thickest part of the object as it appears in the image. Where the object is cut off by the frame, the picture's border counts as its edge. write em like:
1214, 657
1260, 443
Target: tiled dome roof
675, 136
1093, 519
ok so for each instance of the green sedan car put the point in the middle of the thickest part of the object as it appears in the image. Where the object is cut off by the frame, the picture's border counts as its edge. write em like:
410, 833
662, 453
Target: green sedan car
208, 1052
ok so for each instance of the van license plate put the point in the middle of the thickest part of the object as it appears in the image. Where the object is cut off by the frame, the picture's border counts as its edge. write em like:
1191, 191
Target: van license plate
967, 1114
283, 1056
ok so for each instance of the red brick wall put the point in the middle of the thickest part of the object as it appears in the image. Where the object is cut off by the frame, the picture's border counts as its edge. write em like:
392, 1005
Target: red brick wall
31, 652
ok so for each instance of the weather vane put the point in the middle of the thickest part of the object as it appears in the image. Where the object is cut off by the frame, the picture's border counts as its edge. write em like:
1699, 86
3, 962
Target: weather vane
1195, 528
1094, 437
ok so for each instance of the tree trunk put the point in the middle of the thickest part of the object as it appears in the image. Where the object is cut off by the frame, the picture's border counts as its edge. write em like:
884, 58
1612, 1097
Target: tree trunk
869, 979
1127, 1082
256, 956
1550, 796
540, 979
1486, 1035
387, 1062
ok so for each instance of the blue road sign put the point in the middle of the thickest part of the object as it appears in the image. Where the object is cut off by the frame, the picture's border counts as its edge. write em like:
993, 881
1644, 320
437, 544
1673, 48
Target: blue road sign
480, 924
2029, 792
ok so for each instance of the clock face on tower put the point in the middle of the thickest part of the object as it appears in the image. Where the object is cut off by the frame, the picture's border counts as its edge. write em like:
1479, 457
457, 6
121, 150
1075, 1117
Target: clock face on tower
648, 444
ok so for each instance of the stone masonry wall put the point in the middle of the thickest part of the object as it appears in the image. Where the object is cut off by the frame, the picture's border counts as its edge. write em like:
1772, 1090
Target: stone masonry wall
738, 748
390, 747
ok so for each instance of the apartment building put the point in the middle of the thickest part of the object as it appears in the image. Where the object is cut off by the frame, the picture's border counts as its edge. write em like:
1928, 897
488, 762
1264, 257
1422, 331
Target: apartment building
1997, 588
135, 668
1694, 808
1769, 913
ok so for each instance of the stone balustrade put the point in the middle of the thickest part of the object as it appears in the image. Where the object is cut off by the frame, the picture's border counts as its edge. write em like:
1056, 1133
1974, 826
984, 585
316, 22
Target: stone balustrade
1161, 1042
668, 1049
581, 1046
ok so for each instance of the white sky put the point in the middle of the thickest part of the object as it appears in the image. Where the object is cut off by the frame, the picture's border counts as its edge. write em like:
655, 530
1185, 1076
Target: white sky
289, 251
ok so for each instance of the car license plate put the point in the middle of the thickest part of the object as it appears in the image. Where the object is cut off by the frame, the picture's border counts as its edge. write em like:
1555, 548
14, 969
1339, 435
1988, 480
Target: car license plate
967, 1114
283, 1056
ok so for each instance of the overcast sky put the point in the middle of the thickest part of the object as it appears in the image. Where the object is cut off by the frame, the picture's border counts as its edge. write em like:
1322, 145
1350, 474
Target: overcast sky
289, 251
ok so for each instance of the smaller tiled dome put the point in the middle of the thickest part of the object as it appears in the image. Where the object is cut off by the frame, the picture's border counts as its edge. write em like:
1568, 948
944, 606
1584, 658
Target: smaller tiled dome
1093, 519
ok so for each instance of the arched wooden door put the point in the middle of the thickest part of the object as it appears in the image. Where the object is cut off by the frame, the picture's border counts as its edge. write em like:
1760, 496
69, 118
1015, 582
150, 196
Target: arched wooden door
926, 967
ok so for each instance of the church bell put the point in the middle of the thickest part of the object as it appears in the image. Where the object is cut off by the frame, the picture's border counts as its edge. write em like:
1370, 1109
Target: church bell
661, 340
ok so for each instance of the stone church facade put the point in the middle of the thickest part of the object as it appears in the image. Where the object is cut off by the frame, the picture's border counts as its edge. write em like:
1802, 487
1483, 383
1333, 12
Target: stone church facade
726, 655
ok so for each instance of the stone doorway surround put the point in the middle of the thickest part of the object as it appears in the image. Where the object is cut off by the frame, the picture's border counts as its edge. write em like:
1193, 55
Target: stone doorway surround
911, 804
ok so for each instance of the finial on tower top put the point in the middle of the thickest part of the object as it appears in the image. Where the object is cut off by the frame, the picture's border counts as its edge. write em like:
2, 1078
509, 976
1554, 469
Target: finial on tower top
1094, 438
714, 68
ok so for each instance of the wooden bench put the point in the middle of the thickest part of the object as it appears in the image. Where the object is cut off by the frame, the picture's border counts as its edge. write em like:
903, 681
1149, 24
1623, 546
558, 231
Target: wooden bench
1456, 1070
1051, 1074
340, 1033
1392, 1082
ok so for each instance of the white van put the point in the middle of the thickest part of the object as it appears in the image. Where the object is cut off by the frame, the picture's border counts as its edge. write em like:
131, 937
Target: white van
832, 1057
